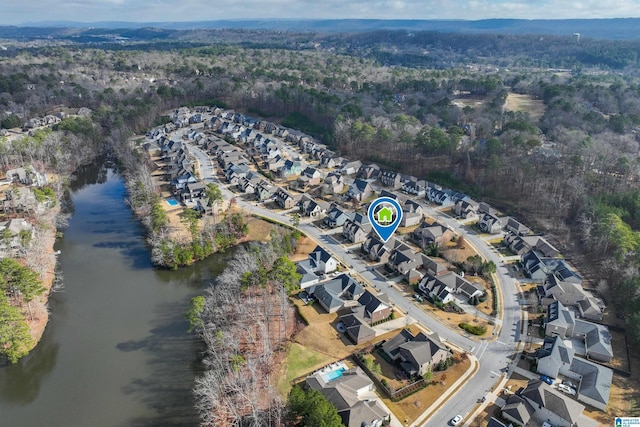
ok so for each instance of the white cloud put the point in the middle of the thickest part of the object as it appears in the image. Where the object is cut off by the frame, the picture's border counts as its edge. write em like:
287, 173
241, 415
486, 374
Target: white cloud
190, 10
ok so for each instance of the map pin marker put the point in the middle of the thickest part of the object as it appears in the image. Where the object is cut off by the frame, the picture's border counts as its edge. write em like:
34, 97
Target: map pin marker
385, 215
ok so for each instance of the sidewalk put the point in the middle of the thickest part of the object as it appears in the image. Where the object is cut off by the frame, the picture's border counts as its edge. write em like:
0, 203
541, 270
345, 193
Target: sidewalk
475, 364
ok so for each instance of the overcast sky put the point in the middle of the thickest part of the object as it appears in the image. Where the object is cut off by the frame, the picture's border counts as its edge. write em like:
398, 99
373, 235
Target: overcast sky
14, 12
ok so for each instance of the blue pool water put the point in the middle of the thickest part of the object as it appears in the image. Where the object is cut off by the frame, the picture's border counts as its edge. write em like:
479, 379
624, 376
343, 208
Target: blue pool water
173, 202
330, 376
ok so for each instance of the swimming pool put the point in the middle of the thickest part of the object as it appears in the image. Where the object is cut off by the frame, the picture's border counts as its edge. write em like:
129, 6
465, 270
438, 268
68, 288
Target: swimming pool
173, 202
332, 375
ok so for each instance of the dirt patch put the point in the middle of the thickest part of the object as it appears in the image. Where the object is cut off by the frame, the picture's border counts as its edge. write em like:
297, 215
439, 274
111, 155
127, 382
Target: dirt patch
454, 254
259, 230
304, 247
525, 103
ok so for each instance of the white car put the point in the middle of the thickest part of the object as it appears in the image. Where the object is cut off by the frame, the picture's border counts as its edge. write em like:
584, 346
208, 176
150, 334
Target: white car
566, 389
456, 420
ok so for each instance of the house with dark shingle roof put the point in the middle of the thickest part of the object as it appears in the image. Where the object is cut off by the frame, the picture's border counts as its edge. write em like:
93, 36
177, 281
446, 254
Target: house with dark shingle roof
516, 227
523, 244
434, 233
541, 402
538, 267
555, 358
357, 228
335, 293
350, 394
360, 190
490, 223
336, 217
570, 294
416, 354
445, 286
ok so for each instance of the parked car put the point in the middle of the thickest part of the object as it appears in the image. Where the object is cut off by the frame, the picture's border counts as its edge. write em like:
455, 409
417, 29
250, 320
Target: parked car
566, 389
456, 420
546, 379
569, 383
546, 424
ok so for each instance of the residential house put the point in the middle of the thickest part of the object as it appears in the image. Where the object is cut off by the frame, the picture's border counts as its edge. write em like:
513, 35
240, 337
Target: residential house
27, 176
180, 182
390, 179
337, 293
494, 422
434, 233
290, 168
466, 208
353, 395
432, 267
356, 328
539, 267
247, 184
416, 188
264, 191
311, 207
193, 191
416, 354
318, 264
333, 183
370, 171
516, 227
490, 223
377, 250
329, 160
402, 260
372, 308
441, 197
412, 214
542, 403
313, 174
570, 294
485, 208
274, 164
593, 380
594, 338
284, 199
360, 191
351, 168
336, 217
235, 172
445, 286
357, 228
522, 244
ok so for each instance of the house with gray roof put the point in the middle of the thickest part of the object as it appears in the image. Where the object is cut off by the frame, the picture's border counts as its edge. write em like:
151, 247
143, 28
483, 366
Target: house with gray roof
336, 217
466, 208
337, 293
402, 260
415, 187
356, 228
516, 227
446, 286
356, 328
434, 233
522, 244
333, 183
490, 223
390, 179
353, 396
538, 267
284, 199
360, 190
377, 250
570, 294
318, 263
416, 354
542, 403
311, 207
594, 380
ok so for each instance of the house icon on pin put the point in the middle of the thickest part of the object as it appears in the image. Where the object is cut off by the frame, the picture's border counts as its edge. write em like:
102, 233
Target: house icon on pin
385, 215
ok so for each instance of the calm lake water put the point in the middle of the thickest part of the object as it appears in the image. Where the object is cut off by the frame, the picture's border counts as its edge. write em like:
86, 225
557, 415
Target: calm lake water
115, 351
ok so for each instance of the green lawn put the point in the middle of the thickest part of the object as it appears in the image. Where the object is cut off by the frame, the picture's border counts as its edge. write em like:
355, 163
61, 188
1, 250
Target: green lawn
300, 361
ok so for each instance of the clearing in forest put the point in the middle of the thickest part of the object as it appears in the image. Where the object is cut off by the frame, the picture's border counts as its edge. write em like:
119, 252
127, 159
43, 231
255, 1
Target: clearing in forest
524, 103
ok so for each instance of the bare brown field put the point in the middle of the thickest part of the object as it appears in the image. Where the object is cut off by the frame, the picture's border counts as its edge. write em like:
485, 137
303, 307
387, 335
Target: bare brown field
524, 103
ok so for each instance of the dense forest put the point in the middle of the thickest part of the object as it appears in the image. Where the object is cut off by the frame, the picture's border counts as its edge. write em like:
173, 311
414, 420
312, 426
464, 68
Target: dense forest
435, 105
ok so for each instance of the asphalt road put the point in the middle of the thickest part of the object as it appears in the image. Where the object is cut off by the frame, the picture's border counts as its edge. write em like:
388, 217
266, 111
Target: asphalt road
494, 355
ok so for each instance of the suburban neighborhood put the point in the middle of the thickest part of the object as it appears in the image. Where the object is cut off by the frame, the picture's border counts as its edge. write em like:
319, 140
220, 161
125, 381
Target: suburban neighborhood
463, 298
